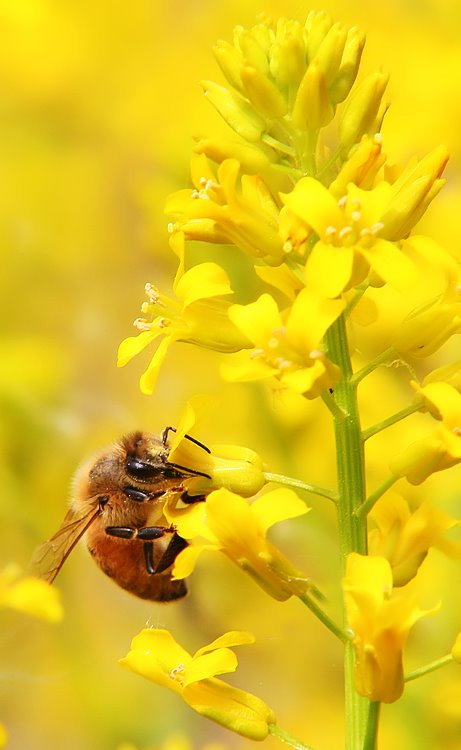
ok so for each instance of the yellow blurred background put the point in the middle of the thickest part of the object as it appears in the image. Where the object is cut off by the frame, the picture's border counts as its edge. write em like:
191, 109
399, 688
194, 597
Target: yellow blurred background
98, 104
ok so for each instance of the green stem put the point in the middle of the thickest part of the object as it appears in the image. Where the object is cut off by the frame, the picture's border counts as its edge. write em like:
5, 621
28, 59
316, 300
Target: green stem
428, 668
350, 468
365, 508
300, 485
324, 618
393, 419
284, 148
288, 738
383, 358
371, 731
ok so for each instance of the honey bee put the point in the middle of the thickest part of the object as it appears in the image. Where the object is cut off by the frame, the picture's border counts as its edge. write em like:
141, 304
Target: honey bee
117, 506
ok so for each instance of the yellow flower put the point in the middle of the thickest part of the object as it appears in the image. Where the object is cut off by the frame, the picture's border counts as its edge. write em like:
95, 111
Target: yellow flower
404, 537
3, 736
431, 324
287, 345
352, 236
29, 594
234, 467
442, 448
231, 525
225, 209
156, 656
198, 316
380, 620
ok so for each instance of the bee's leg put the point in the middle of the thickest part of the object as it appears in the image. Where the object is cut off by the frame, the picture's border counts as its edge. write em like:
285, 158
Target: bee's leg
149, 557
176, 545
121, 532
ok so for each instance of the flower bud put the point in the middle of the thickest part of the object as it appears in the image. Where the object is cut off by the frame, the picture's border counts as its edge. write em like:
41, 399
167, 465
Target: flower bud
252, 52
312, 109
348, 69
288, 57
235, 110
317, 25
262, 93
331, 50
362, 166
230, 61
362, 109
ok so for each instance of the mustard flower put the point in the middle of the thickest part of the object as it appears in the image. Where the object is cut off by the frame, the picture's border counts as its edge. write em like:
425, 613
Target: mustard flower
351, 235
380, 620
3, 736
404, 537
29, 594
224, 208
439, 450
287, 345
229, 524
431, 324
156, 656
198, 316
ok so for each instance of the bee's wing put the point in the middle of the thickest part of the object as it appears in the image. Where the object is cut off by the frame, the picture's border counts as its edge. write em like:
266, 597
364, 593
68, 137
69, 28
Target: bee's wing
50, 556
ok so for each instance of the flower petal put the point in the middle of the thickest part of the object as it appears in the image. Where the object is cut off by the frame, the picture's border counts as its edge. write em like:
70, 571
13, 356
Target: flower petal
202, 282
219, 661
148, 380
329, 269
277, 505
258, 319
186, 560
132, 345
313, 202
228, 640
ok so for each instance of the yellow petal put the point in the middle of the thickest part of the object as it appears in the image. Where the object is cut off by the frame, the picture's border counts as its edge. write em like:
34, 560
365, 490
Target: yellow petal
210, 664
148, 380
132, 345
277, 505
201, 282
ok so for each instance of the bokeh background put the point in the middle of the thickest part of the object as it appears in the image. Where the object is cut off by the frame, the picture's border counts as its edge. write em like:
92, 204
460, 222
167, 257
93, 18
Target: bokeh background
98, 104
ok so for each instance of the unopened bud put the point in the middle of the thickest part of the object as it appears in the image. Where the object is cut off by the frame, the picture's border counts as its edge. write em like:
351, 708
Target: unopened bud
362, 109
317, 25
230, 61
235, 110
312, 109
263, 94
349, 66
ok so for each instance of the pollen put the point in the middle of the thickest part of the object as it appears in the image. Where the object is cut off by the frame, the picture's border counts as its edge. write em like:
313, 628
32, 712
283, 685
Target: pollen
141, 324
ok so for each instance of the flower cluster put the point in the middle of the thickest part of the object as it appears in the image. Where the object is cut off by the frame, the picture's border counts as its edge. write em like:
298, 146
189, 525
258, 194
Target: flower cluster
304, 189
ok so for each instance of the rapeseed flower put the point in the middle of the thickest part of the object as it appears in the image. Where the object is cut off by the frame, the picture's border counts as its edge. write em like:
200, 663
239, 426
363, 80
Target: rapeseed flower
380, 620
156, 656
228, 523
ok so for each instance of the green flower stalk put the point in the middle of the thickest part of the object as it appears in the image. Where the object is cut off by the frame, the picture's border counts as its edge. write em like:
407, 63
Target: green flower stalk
303, 188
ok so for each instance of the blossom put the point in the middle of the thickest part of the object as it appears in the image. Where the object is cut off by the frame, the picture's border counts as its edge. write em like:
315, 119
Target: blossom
438, 316
156, 656
228, 523
404, 537
198, 316
441, 448
29, 594
351, 235
224, 208
287, 345
380, 620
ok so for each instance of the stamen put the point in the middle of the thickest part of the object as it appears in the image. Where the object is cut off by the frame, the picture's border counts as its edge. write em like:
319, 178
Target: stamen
342, 201
330, 231
375, 228
344, 232
142, 324
163, 322
356, 216
273, 343
256, 353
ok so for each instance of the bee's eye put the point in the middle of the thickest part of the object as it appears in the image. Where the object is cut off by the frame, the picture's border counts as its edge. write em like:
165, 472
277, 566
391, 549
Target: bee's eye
140, 469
